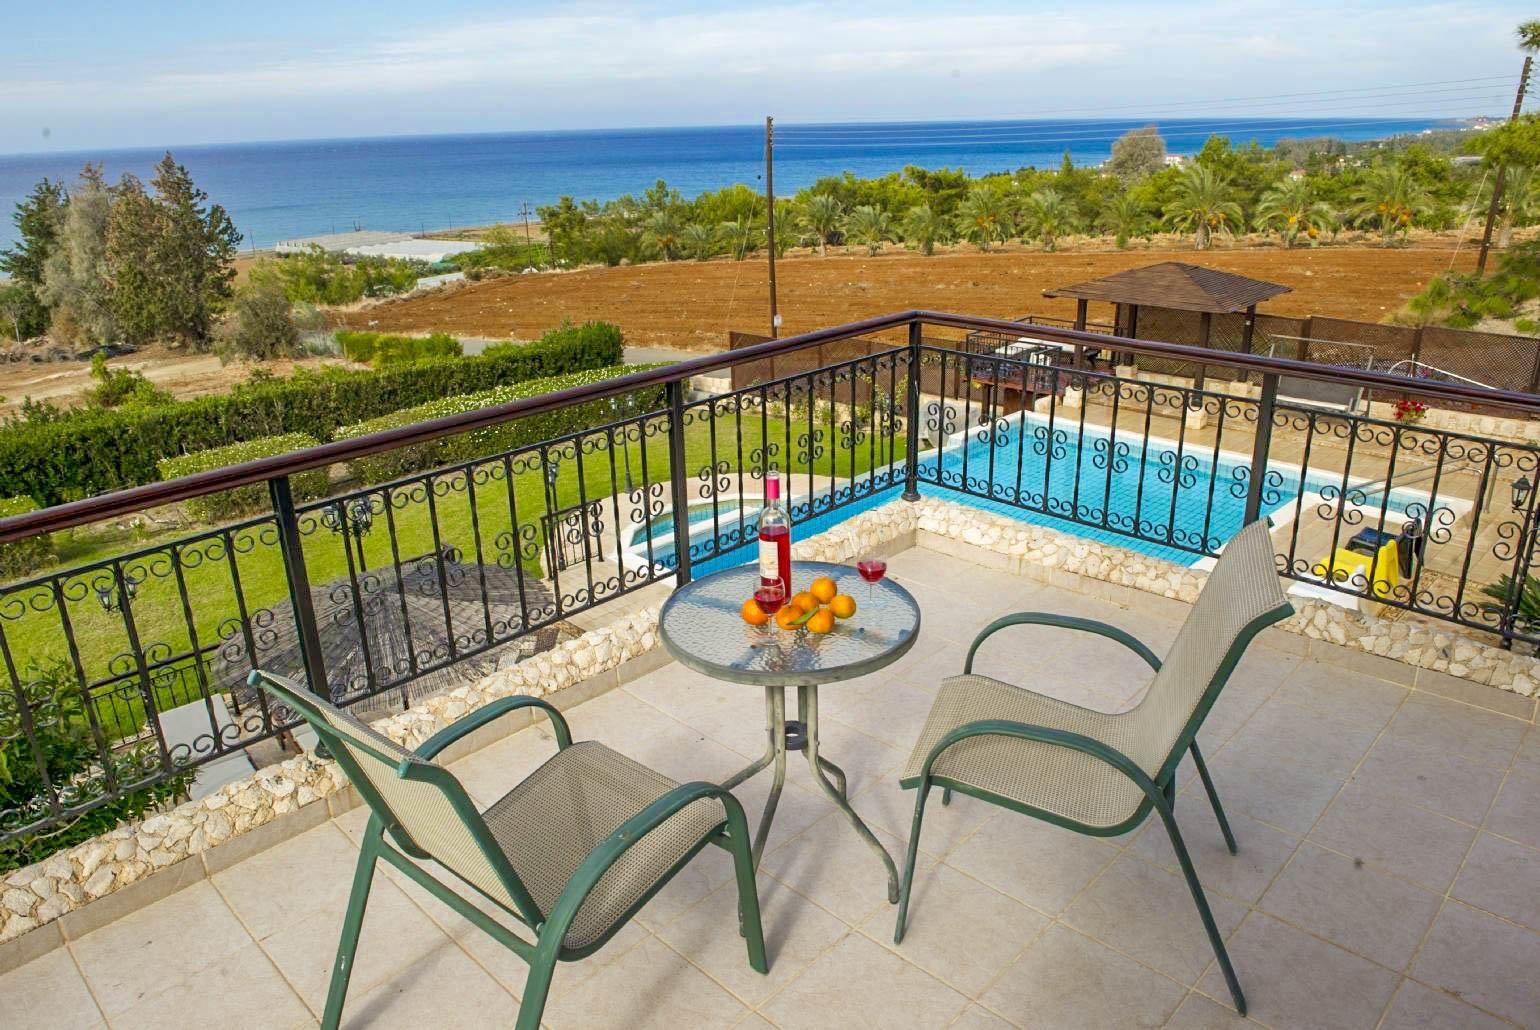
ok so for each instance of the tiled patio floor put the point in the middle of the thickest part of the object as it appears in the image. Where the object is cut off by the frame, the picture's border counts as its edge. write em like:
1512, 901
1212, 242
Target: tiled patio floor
1388, 876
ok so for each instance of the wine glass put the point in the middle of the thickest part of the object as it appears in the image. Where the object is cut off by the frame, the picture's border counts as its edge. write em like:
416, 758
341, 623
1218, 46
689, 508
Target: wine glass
872, 570
770, 596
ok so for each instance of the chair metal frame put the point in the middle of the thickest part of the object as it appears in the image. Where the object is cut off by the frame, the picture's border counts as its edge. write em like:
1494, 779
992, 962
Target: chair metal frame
1159, 789
550, 928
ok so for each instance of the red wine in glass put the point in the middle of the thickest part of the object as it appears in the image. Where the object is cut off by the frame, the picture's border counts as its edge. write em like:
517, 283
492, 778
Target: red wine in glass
770, 597
872, 570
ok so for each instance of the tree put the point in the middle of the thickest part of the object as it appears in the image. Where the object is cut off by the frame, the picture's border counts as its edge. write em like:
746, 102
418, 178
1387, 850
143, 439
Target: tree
1520, 198
1202, 204
1048, 216
924, 227
260, 326
76, 275
663, 231
565, 225
740, 237
982, 218
1389, 200
699, 241
869, 225
16, 305
37, 219
1290, 208
821, 216
1137, 153
1126, 217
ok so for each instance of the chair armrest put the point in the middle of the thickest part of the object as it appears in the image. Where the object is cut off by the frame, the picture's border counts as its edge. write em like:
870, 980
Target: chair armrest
1128, 640
478, 718
1044, 735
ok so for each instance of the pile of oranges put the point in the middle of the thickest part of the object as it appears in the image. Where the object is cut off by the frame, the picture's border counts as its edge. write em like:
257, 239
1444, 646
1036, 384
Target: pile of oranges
814, 609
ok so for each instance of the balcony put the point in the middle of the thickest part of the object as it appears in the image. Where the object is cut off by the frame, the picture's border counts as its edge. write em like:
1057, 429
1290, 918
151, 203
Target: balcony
1377, 754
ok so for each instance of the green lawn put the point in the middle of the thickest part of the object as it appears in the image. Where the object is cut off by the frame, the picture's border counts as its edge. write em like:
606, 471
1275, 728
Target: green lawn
167, 624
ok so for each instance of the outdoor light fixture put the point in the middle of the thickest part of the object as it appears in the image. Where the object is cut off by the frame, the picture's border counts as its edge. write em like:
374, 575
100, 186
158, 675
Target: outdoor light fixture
1521, 491
111, 596
360, 519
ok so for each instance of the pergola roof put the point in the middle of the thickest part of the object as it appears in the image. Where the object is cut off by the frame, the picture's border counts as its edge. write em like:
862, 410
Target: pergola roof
1177, 285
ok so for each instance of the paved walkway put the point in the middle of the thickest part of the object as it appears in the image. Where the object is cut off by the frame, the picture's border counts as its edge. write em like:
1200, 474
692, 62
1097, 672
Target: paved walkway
1388, 877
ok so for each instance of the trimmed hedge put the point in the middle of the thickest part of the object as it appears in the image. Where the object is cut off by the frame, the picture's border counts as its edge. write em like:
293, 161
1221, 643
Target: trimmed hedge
479, 443
590, 334
91, 452
242, 499
22, 556
382, 349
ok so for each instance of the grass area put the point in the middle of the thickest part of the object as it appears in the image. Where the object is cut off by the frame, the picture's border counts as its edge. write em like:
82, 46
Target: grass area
168, 623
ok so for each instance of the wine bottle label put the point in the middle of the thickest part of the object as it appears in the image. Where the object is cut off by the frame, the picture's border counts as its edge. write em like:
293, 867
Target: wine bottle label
769, 564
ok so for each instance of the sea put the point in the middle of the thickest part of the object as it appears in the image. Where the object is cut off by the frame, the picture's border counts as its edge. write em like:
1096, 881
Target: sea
280, 190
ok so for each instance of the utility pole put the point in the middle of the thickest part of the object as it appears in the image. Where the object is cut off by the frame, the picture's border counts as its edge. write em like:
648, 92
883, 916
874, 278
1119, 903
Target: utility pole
1497, 185
524, 210
775, 315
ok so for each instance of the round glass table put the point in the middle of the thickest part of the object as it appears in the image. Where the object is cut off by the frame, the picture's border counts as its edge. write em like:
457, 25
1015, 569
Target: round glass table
702, 628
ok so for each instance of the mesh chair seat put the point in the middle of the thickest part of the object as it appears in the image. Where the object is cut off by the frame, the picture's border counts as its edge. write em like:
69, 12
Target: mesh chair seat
551, 821
1067, 783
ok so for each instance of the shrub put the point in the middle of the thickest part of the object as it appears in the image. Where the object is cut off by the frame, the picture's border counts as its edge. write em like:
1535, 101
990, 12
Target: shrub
382, 349
602, 337
318, 277
20, 557
242, 499
90, 452
479, 443
260, 327
121, 387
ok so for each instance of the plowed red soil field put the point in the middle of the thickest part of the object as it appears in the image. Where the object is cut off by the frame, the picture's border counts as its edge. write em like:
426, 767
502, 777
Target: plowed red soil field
693, 305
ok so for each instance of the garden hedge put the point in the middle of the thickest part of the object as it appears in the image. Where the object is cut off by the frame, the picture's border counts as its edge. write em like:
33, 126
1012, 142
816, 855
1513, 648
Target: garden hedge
479, 443
242, 499
22, 556
381, 349
92, 451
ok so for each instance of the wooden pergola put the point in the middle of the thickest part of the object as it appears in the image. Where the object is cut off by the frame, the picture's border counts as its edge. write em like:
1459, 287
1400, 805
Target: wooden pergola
1177, 286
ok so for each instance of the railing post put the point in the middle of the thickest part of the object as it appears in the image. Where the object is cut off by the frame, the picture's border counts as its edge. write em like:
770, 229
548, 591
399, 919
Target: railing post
677, 480
912, 424
1261, 446
292, 550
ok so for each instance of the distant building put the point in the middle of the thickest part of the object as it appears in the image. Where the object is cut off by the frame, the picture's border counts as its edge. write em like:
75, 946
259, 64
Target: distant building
377, 243
1174, 160
1298, 173
1466, 159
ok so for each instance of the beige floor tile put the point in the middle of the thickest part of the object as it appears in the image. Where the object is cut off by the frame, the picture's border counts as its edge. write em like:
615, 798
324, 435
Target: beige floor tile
1341, 696
126, 961
1268, 785
1421, 1008
1527, 760
836, 868
976, 1017
1440, 781
1149, 915
241, 990
1517, 811
732, 714
496, 769
1451, 726
1298, 730
1068, 980
316, 869
959, 929
1292, 979
1502, 877
445, 989
1369, 913
1484, 961
1262, 849
1198, 1013
894, 713
859, 983
888, 805
1402, 839
47, 992
796, 934
650, 986
1038, 863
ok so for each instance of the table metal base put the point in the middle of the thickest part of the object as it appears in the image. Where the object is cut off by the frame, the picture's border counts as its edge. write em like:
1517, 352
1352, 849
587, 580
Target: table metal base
802, 735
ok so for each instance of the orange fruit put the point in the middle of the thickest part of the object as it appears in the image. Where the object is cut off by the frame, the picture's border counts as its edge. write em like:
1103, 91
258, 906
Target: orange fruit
822, 621
843, 606
788, 615
805, 601
823, 588
753, 614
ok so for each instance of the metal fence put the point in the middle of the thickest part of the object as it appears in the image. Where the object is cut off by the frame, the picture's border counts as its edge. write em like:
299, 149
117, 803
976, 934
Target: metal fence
386, 590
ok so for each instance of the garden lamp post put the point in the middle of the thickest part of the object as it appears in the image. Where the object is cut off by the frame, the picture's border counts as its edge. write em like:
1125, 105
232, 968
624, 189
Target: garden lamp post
355, 518
112, 597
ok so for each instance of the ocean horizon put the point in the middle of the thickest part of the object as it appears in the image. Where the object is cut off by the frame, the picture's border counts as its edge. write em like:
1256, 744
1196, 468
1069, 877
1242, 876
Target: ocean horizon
278, 190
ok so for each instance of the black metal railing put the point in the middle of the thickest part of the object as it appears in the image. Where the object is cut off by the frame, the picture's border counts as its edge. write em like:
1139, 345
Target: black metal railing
385, 590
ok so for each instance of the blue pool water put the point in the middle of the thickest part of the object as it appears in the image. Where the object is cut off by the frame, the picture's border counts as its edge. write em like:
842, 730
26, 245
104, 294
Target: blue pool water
1147, 498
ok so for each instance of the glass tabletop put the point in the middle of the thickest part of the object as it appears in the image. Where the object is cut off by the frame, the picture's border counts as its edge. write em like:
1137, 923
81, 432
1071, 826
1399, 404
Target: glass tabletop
702, 628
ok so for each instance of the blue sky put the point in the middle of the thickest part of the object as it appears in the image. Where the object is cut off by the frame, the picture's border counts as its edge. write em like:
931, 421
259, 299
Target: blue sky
157, 73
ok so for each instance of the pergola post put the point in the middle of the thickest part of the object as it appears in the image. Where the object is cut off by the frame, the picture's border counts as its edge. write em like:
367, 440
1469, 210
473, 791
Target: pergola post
1249, 329
1125, 363
1080, 312
1195, 419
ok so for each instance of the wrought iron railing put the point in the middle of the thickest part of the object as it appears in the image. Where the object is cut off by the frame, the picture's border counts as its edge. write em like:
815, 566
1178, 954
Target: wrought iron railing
385, 590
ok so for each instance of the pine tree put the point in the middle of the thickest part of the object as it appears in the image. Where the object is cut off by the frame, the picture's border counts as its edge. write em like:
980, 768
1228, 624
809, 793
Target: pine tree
76, 282
37, 220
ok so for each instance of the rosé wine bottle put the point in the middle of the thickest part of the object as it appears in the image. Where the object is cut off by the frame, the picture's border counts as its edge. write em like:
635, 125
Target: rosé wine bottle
775, 538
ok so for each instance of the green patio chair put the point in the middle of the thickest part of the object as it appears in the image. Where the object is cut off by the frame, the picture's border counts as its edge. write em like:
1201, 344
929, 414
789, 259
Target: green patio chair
1093, 772
572, 852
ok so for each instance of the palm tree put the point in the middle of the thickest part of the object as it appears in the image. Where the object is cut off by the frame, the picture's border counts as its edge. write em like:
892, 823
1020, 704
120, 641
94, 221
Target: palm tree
662, 233
870, 225
1202, 204
1126, 217
925, 228
1529, 36
740, 237
820, 218
1519, 203
1389, 200
1048, 215
982, 218
699, 241
1289, 207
